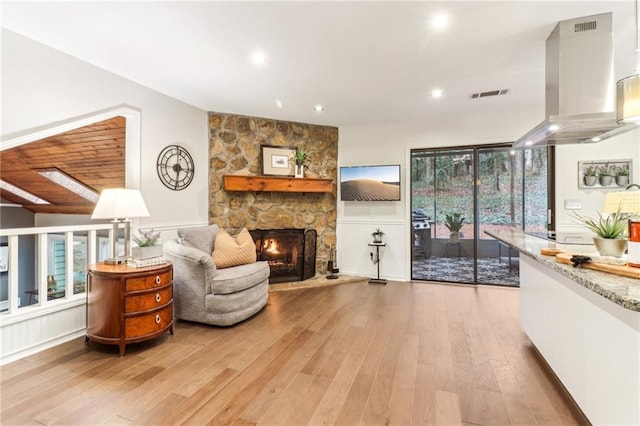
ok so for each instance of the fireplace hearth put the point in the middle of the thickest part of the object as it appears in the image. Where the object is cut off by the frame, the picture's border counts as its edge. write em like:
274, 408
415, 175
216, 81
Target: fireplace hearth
291, 253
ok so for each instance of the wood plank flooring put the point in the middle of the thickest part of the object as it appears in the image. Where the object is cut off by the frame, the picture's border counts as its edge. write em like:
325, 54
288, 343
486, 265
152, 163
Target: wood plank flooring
404, 353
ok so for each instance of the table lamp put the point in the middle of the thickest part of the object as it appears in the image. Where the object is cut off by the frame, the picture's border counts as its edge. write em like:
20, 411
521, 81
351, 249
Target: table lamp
628, 202
120, 204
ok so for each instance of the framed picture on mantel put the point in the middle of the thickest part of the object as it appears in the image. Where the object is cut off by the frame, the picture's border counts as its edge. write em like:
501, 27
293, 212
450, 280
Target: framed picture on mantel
277, 160
604, 174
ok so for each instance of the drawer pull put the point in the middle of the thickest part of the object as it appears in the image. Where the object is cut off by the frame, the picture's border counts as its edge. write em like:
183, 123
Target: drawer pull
158, 279
158, 319
158, 298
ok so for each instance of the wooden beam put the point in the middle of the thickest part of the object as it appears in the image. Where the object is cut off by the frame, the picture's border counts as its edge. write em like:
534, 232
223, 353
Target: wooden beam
276, 184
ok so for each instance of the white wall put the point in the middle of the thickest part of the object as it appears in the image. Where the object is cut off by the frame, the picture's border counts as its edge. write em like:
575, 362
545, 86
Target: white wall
390, 143
42, 87
625, 146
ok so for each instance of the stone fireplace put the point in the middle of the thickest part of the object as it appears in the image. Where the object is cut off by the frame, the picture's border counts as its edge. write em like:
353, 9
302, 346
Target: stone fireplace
235, 149
291, 253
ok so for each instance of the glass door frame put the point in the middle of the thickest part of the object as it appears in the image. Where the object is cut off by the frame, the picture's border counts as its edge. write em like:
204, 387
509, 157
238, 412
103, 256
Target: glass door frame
550, 158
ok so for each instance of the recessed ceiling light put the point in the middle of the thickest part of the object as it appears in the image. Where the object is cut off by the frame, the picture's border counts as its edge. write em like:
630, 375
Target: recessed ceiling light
258, 58
596, 139
512, 152
279, 103
22, 193
318, 108
71, 184
437, 93
528, 143
440, 20
554, 127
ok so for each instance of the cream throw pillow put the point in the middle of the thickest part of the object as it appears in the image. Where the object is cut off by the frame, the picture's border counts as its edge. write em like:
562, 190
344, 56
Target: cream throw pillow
230, 252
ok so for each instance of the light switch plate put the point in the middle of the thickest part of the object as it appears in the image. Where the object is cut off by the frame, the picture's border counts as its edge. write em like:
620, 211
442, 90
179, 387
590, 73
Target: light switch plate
572, 204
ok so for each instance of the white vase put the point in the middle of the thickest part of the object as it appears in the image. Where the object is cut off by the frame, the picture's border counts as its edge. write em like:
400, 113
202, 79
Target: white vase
610, 246
299, 170
622, 180
146, 252
590, 180
606, 180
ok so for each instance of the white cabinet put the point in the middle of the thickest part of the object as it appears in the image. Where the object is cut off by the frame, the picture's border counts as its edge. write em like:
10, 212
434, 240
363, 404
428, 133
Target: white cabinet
591, 343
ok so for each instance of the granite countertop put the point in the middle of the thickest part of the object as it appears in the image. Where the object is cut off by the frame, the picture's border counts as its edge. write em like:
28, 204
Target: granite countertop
621, 290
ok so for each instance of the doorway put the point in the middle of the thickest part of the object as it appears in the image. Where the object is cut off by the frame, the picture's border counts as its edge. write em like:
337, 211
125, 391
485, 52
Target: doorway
457, 194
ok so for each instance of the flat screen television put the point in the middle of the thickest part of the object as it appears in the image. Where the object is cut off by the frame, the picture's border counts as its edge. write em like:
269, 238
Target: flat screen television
370, 183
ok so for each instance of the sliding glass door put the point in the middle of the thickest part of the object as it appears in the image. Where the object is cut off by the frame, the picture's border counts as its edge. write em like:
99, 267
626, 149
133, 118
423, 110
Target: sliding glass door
443, 219
458, 195
499, 198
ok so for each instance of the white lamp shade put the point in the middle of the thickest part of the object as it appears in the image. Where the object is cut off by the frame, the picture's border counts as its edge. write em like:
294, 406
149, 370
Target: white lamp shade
627, 201
120, 203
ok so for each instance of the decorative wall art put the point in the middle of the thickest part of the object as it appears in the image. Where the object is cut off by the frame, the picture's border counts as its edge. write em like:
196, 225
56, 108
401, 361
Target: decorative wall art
277, 160
604, 174
370, 183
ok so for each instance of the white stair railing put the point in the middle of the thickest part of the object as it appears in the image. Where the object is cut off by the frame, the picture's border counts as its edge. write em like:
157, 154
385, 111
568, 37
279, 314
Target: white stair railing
15, 304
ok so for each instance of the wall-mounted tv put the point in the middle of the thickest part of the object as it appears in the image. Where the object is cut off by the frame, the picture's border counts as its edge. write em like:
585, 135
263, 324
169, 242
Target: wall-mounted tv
370, 183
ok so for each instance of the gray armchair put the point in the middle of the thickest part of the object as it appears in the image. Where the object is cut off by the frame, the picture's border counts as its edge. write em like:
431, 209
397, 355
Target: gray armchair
203, 293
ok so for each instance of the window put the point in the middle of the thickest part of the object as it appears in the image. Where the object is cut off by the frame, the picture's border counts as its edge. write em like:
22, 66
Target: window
57, 265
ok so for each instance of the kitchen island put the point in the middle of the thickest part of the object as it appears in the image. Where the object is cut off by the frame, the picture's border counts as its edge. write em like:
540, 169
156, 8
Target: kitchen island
586, 325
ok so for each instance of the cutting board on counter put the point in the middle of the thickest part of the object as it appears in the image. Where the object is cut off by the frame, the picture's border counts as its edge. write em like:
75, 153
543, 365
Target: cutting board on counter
625, 271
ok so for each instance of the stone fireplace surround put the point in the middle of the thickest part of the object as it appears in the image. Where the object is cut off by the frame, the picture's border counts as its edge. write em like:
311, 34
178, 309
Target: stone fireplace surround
234, 149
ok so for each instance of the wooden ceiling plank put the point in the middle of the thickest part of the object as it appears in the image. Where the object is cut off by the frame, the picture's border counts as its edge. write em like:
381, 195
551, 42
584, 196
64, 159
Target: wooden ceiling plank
93, 154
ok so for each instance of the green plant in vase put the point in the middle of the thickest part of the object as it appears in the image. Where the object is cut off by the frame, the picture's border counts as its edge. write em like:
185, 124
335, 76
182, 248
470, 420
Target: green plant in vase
606, 175
622, 175
377, 235
299, 157
610, 232
590, 175
147, 238
454, 222
147, 244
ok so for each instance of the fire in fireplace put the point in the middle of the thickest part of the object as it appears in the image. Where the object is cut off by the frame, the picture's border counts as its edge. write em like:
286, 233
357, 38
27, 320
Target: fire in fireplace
291, 253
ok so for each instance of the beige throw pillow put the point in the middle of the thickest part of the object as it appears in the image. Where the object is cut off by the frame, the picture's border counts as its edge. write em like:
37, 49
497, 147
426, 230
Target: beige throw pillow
230, 252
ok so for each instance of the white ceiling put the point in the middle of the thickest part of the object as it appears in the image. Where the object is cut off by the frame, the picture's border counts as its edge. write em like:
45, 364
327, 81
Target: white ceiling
366, 62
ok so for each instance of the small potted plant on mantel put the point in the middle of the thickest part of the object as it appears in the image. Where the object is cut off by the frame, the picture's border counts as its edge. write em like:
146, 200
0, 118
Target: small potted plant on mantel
147, 247
299, 157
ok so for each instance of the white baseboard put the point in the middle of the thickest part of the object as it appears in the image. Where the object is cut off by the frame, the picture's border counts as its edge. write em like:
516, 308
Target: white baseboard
41, 346
36, 328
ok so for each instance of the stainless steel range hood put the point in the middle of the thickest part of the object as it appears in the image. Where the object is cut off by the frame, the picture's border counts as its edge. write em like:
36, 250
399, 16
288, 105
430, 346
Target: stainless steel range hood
579, 85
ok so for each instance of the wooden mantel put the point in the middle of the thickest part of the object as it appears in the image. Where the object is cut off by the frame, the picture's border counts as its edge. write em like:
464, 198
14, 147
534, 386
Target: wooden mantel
275, 184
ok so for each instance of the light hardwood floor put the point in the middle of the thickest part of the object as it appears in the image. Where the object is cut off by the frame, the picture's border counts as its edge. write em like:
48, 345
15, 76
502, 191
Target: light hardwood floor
403, 353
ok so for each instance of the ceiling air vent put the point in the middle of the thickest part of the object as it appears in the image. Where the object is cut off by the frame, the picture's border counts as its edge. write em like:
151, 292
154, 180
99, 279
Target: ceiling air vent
489, 93
584, 26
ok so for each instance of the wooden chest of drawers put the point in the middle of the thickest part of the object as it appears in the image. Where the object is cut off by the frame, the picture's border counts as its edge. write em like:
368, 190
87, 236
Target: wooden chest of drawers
128, 305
